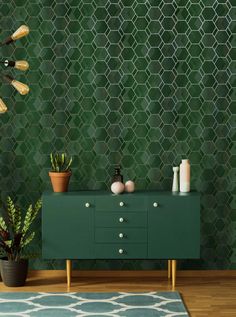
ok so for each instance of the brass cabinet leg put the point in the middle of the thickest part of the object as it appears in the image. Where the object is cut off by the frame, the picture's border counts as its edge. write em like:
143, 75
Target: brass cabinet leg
173, 264
169, 268
68, 272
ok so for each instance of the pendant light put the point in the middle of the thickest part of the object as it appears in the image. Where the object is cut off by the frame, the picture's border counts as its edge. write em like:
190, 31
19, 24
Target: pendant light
23, 89
3, 107
22, 31
20, 65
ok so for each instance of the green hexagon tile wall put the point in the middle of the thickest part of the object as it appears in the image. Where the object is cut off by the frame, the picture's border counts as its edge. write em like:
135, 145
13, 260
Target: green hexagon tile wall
141, 83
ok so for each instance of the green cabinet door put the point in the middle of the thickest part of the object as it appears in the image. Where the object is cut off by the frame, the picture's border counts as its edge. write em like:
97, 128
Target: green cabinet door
174, 226
68, 226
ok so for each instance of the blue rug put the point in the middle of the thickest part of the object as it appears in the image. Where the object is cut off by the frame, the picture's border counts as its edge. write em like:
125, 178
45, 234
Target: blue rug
151, 304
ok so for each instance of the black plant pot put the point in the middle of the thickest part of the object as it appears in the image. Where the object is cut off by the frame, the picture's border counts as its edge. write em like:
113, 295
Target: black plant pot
14, 273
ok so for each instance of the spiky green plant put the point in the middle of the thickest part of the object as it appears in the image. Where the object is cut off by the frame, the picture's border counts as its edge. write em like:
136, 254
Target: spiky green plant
15, 232
60, 162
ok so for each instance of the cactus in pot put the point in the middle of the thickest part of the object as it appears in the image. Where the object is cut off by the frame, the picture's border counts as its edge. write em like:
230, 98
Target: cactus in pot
60, 172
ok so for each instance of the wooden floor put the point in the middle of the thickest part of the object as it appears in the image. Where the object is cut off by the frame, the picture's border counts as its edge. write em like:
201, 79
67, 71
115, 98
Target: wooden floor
203, 296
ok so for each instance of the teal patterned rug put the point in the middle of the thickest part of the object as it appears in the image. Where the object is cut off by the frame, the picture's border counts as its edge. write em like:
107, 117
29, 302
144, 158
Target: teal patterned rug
161, 304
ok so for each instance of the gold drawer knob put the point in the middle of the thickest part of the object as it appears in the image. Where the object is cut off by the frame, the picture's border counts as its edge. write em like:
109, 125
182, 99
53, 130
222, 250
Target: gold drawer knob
122, 204
121, 219
87, 205
121, 251
155, 204
121, 235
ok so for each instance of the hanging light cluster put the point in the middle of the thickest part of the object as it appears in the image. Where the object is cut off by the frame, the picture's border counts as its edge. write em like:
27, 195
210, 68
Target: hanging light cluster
23, 89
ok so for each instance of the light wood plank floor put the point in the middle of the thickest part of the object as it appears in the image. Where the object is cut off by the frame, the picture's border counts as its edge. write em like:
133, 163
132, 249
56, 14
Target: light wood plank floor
203, 296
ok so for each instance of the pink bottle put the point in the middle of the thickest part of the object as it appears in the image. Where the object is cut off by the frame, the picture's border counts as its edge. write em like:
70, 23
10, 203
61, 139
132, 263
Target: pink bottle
184, 176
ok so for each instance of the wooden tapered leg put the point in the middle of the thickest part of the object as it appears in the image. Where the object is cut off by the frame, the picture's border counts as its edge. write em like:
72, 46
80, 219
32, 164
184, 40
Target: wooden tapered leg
68, 272
169, 268
173, 264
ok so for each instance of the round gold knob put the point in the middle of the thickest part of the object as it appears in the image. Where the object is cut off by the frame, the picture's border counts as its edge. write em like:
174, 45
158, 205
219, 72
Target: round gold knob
87, 205
155, 204
121, 251
122, 204
121, 219
121, 235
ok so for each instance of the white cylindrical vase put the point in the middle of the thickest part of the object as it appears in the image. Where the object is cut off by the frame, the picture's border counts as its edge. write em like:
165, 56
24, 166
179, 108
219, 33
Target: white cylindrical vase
184, 176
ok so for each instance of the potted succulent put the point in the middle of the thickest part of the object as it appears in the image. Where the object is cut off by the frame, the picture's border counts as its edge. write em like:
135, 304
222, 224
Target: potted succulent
61, 172
15, 236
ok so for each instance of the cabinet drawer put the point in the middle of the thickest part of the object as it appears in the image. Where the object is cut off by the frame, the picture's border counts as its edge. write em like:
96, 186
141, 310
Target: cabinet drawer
125, 202
121, 251
114, 235
121, 219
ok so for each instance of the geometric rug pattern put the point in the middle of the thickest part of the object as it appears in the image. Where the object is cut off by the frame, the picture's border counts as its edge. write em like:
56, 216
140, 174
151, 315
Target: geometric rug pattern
149, 304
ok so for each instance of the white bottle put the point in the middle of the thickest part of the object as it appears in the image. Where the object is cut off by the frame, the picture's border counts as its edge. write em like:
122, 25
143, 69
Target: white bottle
184, 176
175, 184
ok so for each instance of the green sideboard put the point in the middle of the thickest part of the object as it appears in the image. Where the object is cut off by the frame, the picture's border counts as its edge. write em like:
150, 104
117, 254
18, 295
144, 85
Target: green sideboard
140, 225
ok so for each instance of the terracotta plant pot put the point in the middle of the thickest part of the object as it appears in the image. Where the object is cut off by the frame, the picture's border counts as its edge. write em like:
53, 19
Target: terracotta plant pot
14, 273
60, 181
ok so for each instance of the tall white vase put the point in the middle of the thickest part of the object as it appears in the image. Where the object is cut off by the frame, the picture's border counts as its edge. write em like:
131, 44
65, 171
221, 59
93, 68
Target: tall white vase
184, 176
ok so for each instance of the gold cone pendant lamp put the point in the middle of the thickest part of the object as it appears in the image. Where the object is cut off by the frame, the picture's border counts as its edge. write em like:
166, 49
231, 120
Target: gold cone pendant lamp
22, 65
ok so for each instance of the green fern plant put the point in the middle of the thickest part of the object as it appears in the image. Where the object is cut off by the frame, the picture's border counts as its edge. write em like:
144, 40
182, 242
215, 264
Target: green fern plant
15, 232
60, 162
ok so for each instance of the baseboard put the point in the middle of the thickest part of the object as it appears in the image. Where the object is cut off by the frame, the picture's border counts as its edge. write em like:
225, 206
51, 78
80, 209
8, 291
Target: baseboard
138, 273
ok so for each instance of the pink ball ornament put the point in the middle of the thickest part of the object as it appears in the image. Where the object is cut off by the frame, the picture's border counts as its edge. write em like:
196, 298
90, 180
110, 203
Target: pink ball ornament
117, 188
129, 186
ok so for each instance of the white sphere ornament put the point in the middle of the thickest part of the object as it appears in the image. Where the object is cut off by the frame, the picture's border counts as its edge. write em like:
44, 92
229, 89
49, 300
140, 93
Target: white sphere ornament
117, 188
129, 186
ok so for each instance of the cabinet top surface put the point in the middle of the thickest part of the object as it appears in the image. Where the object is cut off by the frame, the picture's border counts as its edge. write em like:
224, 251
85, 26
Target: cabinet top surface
108, 193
